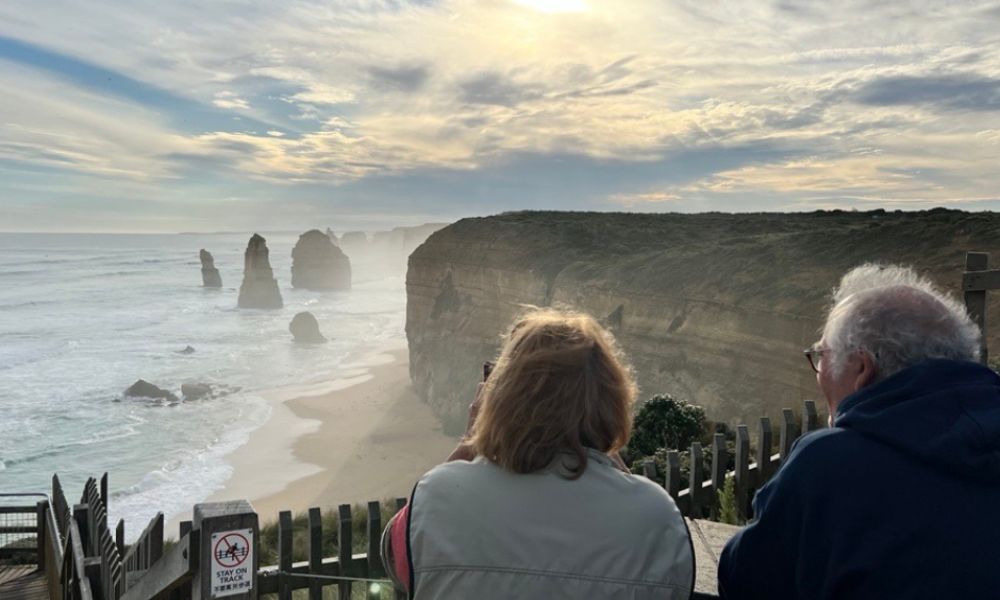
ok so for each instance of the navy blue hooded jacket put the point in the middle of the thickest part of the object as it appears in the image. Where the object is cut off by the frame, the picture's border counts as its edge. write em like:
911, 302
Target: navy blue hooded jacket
899, 499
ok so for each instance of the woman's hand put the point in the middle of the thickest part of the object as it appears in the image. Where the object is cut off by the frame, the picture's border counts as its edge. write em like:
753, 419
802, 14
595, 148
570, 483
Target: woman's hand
474, 410
464, 450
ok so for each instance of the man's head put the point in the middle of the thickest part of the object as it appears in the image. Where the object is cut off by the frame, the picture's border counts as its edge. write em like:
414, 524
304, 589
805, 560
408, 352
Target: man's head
885, 319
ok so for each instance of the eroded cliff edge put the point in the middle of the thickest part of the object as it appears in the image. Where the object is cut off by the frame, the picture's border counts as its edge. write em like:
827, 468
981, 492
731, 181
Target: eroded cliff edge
713, 308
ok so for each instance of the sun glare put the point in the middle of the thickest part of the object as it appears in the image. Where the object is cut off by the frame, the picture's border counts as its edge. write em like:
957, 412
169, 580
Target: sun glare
554, 6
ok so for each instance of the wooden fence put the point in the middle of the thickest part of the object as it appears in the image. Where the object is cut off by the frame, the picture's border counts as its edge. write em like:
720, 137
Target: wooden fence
87, 563
701, 498
977, 280
344, 570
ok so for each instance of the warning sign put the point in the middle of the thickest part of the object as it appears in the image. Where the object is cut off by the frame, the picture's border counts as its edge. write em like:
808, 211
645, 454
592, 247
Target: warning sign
232, 562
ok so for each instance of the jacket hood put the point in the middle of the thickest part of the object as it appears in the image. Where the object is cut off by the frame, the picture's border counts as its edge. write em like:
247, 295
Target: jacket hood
944, 413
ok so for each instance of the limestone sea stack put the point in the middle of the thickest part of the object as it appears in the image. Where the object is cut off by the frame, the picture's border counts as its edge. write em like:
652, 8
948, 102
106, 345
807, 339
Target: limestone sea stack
318, 264
259, 289
209, 274
305, 329
354, 243
144, 389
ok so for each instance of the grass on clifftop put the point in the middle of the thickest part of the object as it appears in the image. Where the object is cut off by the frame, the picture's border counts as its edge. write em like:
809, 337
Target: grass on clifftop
331, 542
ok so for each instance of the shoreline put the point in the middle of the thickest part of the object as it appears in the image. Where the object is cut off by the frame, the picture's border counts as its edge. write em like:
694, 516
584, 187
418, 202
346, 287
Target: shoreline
367, 436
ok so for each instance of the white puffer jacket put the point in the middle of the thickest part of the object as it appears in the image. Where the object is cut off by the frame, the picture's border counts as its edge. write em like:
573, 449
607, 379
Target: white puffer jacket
477, 531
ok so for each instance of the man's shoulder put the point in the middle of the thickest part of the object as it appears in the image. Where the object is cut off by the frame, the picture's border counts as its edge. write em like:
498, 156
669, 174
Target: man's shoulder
828, 448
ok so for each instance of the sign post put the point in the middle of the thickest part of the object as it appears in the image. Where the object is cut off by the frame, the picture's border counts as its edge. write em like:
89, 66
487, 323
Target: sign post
229, 557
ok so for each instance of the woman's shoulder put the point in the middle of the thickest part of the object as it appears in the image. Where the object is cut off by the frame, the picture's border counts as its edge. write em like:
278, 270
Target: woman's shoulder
640, 494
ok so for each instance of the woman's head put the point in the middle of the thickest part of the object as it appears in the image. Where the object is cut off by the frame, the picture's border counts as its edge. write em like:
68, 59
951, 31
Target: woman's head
559, 385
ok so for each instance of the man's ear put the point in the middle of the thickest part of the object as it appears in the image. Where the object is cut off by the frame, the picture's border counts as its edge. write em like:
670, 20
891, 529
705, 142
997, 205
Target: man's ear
867, 370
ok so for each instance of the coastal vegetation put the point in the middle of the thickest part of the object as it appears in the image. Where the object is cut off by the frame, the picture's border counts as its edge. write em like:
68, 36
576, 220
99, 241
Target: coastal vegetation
665, 423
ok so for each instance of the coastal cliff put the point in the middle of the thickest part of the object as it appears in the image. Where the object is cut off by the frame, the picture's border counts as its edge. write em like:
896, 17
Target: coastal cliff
712, 308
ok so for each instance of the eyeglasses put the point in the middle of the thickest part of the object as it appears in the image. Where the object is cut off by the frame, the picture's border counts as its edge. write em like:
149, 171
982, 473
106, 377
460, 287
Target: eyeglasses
815, 357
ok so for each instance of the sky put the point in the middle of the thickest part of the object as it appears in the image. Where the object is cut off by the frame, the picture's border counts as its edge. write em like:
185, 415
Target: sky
230, 115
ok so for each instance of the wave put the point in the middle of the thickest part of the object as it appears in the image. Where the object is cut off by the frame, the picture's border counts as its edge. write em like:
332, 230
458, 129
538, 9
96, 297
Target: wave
26, 304
187, 477
126, 431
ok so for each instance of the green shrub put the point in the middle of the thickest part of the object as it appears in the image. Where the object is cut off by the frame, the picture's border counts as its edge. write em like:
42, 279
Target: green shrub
665, 422
727, 503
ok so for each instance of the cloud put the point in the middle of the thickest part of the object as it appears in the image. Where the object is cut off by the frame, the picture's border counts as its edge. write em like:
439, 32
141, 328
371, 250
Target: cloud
227, 99
682, 104
404, 78
955, 91
497, 89
636, 199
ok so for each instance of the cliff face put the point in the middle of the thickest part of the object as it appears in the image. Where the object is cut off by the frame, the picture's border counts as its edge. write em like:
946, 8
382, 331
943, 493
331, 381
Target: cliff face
712, 308
389, 248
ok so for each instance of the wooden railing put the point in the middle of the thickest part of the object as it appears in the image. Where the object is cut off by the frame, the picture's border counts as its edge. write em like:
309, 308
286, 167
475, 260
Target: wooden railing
345, 570
53, 541
104, 561
701, 498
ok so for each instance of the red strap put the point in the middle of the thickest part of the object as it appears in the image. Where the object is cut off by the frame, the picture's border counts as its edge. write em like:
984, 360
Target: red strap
397, 543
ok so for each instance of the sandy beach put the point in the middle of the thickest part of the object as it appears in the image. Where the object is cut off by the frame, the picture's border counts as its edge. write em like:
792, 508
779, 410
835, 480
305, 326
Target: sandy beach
369, 438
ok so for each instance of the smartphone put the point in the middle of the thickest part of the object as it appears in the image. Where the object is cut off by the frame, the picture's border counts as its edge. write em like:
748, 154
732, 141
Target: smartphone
487, 369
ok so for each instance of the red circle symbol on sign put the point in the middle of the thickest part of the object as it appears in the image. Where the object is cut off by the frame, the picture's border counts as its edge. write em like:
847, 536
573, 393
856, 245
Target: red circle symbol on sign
231, 550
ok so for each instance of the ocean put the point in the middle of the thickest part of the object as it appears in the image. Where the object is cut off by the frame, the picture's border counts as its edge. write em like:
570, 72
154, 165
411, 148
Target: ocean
82, 317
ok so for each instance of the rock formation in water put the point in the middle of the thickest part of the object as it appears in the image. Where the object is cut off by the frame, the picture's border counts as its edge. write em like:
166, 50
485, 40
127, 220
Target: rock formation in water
209, 274
186, 350
259, 288
318, 264
194, 391
333, 236
713, 308
144, 389
354, 244
305, 329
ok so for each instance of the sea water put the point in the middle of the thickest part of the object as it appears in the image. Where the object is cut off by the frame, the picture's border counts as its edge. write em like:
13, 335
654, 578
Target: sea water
82, 317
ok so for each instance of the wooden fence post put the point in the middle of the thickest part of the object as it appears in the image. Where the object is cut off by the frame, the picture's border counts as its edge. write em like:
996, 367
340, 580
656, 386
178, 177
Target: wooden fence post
764, 452
975, 300
375, 548
720, 458
810, 419
229, 553
673, 481
742, 473
346, 550
649, 469
120, 537
789, 432
696, 481
41, 532
155, 551
81, 513
83, 516
284, 554
183, 592
104, 490
315, 552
